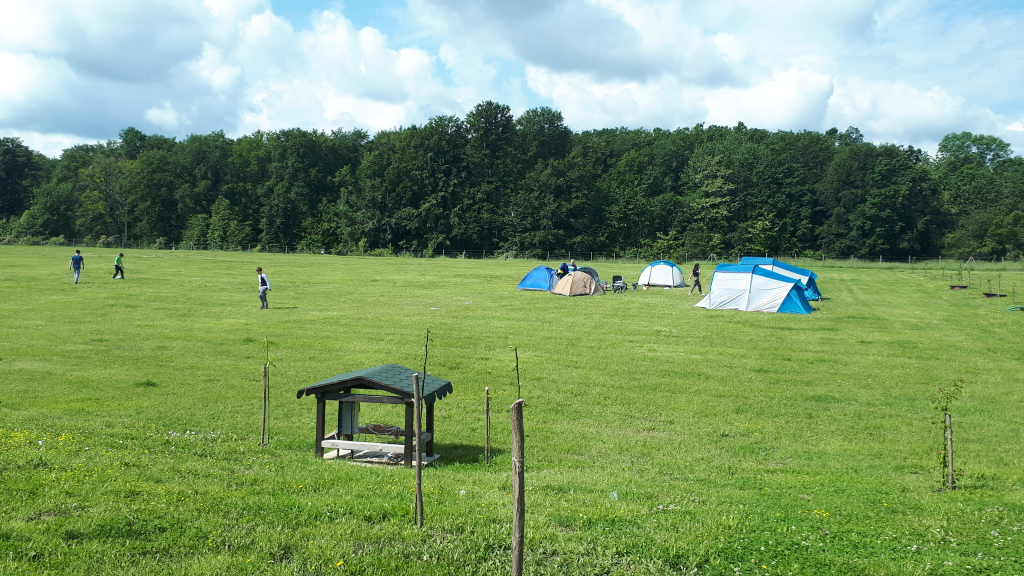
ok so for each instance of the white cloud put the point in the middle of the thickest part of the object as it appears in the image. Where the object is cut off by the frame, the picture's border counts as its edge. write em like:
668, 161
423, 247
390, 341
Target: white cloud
165, 116
904, 71
789, 99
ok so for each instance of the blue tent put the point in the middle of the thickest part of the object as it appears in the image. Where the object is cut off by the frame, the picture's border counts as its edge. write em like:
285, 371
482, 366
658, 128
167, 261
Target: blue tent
754, 289
540, 278
811, 291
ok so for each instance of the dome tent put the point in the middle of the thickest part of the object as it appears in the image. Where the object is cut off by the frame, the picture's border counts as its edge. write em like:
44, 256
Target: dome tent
662, 273
541, 278
754, 289
578, 284
807, 277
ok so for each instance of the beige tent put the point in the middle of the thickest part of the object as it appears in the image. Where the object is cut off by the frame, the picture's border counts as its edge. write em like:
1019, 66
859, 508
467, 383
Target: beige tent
577, 284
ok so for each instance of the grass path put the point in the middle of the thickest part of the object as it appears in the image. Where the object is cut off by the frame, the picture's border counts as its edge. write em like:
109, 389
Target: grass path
660, 438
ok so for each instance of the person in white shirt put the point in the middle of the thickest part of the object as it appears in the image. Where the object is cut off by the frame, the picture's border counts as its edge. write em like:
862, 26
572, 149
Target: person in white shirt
264, 287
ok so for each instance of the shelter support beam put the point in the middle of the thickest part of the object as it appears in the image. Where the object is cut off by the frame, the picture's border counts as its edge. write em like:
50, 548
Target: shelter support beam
409, 433
430, 429
321, 406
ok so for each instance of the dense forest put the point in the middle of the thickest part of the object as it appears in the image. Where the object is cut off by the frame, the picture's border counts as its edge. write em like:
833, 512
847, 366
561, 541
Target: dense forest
498, 182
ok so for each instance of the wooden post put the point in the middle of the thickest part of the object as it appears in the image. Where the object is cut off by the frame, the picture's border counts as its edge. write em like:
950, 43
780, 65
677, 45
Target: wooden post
417, 406
951, 482
487, 425
518, 488
266, 385
321, 405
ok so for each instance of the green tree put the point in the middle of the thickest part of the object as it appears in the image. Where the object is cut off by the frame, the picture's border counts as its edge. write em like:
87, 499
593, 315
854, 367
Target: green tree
52, 212
106, 203
18, 165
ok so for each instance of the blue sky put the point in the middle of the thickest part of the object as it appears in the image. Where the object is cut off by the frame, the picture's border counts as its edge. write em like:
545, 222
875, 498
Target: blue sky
905, 71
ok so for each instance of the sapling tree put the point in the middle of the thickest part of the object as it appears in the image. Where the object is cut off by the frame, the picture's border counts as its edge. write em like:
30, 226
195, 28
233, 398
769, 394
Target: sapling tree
941, 402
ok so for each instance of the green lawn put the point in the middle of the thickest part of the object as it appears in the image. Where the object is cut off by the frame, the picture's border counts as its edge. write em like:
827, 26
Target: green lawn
661, 438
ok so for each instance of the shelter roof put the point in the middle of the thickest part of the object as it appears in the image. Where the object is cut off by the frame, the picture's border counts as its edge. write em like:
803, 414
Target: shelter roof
390, 378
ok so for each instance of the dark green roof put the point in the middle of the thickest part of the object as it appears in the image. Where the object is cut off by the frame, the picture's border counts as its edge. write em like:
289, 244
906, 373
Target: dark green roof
389, 378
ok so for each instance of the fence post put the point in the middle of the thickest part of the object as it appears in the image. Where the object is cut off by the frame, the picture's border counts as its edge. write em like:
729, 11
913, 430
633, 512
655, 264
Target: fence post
518, 488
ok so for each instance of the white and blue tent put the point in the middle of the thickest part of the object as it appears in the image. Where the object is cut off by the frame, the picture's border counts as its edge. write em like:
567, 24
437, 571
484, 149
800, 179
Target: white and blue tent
662, 273
754, 289
806, 276
540, 278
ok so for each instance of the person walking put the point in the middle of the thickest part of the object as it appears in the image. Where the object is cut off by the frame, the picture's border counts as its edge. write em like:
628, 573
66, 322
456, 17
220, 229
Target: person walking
77, 264
264, 287
118, 266
695, 275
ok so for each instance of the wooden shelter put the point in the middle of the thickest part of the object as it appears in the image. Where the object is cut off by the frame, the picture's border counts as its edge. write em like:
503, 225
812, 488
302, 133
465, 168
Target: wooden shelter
388, 384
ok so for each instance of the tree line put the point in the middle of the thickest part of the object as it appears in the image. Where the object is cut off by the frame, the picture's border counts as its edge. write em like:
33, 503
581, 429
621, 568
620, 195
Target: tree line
495, 181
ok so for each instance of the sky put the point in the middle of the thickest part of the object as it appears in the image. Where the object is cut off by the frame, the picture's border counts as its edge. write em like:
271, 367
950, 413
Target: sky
902, 71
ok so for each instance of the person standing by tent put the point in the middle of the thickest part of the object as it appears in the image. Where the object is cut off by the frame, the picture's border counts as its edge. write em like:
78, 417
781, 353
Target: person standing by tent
264, 287
572, 265
118, 266
77, 264
562, 270
695, 275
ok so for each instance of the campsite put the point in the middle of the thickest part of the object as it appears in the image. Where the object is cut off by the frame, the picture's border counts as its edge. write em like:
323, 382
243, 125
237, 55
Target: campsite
661, 438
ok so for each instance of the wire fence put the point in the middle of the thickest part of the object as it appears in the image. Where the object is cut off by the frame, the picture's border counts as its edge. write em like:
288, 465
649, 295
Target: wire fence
947, 264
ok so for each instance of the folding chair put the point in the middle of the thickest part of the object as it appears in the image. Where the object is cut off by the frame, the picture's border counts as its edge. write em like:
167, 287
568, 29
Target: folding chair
618, 285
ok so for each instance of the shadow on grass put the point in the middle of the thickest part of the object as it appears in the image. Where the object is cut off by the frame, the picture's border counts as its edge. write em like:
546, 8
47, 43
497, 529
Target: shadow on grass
463, 453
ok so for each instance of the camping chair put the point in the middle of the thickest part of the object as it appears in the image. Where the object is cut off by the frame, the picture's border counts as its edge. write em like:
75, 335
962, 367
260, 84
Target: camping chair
618, 285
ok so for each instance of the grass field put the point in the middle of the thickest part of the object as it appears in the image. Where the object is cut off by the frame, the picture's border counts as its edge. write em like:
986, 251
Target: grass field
661, 439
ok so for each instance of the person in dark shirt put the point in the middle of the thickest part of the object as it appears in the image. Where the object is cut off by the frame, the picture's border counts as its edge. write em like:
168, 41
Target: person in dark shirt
77, 264
696, 280
264, 287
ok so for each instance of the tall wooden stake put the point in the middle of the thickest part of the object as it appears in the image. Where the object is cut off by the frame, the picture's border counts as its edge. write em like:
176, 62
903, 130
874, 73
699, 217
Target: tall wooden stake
487, 425
266, 386
417, 400
518, 488
519, 386
951, 482
266, 391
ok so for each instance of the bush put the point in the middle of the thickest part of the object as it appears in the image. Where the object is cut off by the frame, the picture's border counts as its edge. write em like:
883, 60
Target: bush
30, 240
107, 242
7, 240
57, 241
381, 252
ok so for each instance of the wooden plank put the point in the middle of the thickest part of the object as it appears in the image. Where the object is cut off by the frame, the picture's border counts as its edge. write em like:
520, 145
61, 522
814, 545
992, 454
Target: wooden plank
369, 398
357, 446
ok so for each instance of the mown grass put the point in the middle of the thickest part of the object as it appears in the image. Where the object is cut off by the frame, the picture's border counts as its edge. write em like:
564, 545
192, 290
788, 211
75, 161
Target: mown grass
661, 439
